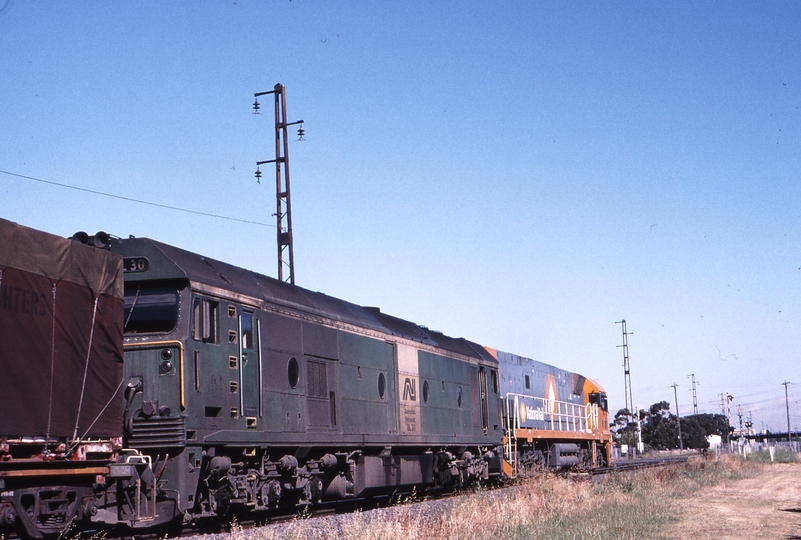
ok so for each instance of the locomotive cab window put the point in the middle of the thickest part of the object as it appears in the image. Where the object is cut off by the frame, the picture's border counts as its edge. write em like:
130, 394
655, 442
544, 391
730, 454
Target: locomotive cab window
150, 310
204, 320
599, 399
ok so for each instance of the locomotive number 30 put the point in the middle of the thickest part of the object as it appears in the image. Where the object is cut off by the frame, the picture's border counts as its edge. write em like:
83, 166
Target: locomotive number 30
135, 264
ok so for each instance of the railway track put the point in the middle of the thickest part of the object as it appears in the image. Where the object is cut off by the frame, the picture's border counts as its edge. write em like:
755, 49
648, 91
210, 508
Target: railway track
633, 465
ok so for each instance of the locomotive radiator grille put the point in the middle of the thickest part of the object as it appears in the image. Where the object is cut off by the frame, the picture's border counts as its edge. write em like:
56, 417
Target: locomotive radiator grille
158, 432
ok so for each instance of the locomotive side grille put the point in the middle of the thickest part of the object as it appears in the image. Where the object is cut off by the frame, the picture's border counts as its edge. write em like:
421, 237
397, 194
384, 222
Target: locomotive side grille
158, 432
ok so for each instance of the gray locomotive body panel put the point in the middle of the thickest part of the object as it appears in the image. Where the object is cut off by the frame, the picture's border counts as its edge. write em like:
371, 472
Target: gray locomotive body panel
345, 390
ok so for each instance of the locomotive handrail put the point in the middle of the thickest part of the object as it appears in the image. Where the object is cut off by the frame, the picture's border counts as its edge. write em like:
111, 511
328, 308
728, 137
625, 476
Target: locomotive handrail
592, 416
557, 415
139, 459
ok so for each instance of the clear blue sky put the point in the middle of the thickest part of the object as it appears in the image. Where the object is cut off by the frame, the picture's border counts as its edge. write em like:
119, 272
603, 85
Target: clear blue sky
521, 174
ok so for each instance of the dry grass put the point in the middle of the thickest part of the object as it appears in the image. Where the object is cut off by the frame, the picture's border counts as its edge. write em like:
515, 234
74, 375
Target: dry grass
623, 506
781, 456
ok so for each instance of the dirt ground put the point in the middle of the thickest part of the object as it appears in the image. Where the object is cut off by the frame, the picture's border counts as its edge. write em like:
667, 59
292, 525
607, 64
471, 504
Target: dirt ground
766, 506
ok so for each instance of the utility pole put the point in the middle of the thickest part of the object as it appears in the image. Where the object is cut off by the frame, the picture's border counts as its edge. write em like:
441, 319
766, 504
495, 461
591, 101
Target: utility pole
678, 417
695, 397
787, 403
640, 446
729, 399
627, 370
283, 212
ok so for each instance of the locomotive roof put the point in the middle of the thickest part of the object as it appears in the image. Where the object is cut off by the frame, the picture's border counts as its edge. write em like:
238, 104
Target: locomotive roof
168, 262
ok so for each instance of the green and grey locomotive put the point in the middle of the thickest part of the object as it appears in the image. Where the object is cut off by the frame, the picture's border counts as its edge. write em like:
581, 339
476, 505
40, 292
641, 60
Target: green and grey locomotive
245, 392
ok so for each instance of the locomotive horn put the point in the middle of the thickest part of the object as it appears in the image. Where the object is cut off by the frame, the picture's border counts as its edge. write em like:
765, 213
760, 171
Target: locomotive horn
81, 237
101, 240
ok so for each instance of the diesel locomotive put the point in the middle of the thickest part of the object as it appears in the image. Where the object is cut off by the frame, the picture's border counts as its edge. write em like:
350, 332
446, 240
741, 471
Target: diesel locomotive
145, 386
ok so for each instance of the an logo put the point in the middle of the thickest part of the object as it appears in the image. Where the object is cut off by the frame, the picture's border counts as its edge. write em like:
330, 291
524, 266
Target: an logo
409, 389
523, 416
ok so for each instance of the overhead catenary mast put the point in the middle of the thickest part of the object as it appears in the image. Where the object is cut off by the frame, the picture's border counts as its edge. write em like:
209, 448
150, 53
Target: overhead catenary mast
627, 371
695, 396
283, 212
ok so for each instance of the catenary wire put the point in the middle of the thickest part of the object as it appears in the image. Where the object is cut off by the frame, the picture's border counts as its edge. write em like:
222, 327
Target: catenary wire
130, 199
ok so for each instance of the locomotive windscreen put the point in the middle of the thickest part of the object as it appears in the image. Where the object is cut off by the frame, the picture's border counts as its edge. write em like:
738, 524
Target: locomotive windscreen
150, 309
61, 313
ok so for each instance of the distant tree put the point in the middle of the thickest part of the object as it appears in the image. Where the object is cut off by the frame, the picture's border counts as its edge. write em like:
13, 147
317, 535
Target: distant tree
660, 428
695, 429
624, 430
621, 420
693, 434
662, 408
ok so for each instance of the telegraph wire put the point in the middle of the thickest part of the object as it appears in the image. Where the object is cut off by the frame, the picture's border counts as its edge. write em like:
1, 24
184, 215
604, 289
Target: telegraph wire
130, 199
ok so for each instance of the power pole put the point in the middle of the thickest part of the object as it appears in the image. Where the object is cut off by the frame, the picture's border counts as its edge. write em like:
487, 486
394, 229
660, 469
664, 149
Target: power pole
695, 397
283, 212
729, 399
627, 370
678, 417
787, 403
